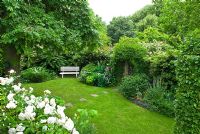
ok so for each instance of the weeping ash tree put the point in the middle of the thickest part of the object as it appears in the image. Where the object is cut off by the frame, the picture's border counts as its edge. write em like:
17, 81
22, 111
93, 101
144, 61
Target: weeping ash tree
54, 26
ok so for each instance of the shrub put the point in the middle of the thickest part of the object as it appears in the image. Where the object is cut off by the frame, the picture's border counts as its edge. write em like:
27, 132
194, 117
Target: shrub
52, 62
134, 86
87, 57
96, 75
22, 112
161, 58
128, 53
83, 121
36, 74
159, 99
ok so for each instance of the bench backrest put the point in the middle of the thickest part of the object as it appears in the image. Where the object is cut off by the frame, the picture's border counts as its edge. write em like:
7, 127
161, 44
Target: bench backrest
68, 69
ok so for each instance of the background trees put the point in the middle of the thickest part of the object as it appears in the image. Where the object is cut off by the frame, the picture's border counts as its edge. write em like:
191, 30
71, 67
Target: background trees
50, 27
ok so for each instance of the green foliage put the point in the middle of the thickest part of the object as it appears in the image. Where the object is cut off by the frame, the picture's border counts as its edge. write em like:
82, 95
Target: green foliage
161, 58
36, 74
134, 86
149, 21
159, 99
83, 121
96, 75
2, 66
52, 62
52, 27
142, 13
151, 34
104, 39
86, 57
187, 102
131, 51
118, 27
179, 17
127, 26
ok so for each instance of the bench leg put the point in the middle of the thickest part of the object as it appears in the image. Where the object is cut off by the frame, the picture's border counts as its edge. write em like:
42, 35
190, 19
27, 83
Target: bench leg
62, 75
76, 75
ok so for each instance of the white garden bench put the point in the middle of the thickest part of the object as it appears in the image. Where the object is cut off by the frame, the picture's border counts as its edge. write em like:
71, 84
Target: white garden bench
69, 70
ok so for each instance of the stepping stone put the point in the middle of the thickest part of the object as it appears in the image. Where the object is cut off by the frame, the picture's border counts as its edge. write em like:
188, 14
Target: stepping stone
94, 95
83, 99
69, 105
105, 92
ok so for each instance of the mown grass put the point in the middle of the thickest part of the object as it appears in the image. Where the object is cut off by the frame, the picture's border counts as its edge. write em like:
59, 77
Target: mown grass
116, 115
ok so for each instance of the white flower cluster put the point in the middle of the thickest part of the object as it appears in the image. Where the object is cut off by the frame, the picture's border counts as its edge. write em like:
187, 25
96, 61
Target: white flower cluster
6, 81
54, 114
18, 130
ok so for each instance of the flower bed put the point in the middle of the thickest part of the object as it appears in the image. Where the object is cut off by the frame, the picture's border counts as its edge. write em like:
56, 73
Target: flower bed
22, 112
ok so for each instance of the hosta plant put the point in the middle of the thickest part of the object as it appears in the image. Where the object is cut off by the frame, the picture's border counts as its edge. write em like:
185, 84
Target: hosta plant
22, 112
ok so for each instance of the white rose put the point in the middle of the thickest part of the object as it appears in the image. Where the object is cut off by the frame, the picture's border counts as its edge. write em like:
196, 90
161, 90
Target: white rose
20, 128
61, 121
16, 88
43, 121
31, 90
41, 105
2, 81
26, 98
69, 125
51, 120
19, 133
12, 131
21, 116
29, 109
12, 71
53, 102
23, 89
10, 96
9, 81
46, 100
60, 111
49, 109
30, 116
75, 131
47, 92
11, 105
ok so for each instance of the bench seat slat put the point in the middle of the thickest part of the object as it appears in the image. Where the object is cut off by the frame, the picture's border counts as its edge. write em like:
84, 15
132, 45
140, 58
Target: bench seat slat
69, 70
69, 73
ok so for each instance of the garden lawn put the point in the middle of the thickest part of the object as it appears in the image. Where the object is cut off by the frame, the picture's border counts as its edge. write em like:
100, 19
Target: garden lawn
116, 115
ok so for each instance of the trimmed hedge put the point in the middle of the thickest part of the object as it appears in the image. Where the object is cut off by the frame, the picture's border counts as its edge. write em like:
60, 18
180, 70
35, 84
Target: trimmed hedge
187, 102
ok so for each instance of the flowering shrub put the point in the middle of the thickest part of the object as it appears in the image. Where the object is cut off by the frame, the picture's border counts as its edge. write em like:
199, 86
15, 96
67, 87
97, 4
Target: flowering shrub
22, 112
97, 75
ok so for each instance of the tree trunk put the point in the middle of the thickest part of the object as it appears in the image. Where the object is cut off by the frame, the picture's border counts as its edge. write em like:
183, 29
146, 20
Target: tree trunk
12, 59
126, 66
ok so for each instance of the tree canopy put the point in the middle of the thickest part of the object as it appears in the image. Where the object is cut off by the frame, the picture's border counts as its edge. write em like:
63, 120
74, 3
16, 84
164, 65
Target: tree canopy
58, 24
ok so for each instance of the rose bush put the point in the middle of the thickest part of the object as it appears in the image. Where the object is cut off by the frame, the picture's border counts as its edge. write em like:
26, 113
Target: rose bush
22, 112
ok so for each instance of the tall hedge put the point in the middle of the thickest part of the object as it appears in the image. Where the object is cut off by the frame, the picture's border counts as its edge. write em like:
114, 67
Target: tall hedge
187, 102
